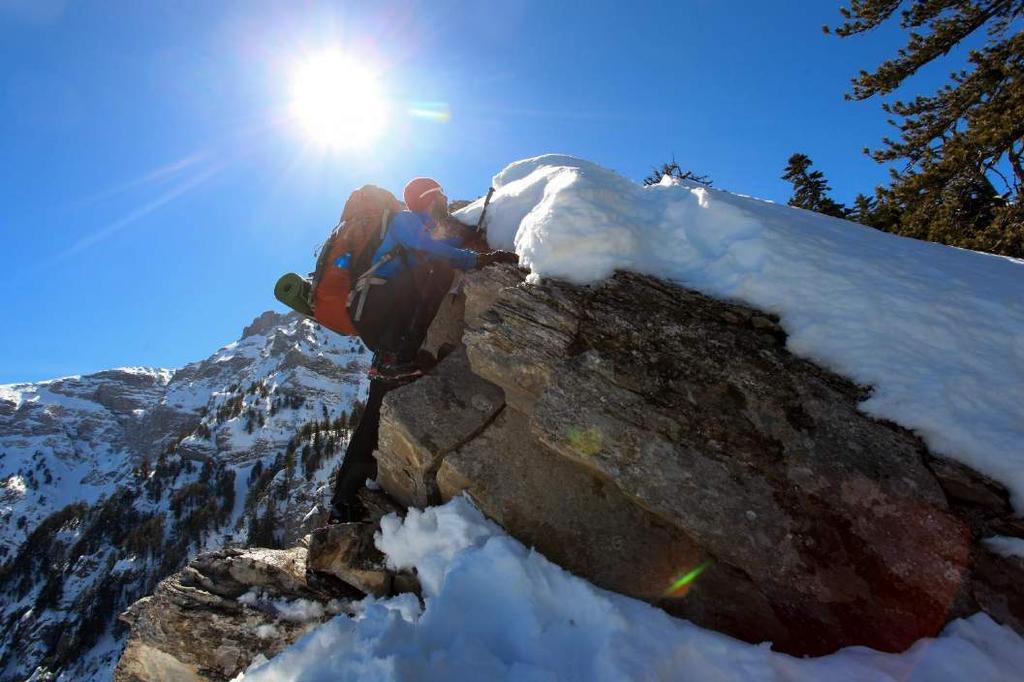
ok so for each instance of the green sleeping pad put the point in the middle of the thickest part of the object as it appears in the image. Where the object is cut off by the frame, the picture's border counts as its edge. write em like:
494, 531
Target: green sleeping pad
293, 290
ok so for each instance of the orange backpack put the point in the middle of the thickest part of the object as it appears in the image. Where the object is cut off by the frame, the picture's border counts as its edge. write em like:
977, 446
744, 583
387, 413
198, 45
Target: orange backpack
348, 253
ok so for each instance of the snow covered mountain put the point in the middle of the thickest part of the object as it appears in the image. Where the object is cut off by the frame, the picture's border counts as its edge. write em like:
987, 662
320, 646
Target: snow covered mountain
110, 481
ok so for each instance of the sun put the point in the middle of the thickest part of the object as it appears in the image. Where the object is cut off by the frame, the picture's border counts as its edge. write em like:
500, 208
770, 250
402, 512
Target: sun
337, 102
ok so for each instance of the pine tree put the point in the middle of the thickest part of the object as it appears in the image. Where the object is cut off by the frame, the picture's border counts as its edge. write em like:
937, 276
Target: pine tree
256, 470
962, 140
874, 211
357, 412
810, 189
144, 469
262, 529
674, 170
863, 208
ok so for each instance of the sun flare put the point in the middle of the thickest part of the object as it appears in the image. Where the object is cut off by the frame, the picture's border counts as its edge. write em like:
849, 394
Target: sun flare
337, 102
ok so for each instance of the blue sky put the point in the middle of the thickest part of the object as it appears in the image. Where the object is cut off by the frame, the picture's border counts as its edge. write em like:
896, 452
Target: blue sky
153, 186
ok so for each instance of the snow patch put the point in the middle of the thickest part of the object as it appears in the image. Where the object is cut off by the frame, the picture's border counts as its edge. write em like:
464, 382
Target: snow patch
12, 393
266, 631
1006, 546
294, 610
495, 610
161, 375
15, 485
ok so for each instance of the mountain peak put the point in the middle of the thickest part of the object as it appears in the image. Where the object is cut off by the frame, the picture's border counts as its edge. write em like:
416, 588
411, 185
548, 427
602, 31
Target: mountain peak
266, 321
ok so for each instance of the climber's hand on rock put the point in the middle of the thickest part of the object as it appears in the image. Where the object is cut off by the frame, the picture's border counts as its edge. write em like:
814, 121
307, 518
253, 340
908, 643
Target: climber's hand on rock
485, 259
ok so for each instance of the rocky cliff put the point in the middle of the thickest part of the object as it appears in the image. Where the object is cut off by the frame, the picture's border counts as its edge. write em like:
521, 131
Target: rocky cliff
667, 446
635, 431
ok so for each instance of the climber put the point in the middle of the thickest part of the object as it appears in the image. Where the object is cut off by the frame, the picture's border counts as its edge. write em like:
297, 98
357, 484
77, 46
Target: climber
411, 272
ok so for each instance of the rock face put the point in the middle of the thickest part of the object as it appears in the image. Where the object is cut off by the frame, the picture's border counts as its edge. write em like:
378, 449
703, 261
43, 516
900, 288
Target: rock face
226, 609
346, 551
211, 620
641, 434
438, 414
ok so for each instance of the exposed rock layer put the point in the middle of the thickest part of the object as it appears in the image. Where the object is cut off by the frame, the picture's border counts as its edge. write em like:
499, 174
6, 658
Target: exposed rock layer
634, 431
226, 609
194, 627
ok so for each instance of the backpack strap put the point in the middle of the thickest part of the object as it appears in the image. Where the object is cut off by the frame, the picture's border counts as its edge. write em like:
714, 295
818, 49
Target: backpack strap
363, 293
368, 279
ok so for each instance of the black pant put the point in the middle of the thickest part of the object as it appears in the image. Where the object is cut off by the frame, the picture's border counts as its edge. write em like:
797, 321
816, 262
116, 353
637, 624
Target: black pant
396, 317
359, 463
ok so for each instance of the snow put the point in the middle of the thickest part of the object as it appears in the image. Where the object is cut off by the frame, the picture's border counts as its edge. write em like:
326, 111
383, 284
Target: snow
1006, 546
266, 631
937, 331
125, 565
242, 474
15, 484
497, 610
13, 393
159, 373
429, 541
298, 610
295, 610
56, 401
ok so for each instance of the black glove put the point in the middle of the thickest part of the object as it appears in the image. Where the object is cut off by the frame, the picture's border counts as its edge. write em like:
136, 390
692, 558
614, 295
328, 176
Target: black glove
485, 259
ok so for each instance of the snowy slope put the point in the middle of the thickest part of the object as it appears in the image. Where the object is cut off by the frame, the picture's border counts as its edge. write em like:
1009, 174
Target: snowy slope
495, 610
67, 440
109, 482
936, 331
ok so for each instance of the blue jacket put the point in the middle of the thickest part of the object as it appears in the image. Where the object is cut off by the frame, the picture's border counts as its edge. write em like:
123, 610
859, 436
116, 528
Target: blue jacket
412, 231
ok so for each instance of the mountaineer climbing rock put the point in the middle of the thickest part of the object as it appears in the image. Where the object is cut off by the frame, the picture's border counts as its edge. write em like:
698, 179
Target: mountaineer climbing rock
392, 303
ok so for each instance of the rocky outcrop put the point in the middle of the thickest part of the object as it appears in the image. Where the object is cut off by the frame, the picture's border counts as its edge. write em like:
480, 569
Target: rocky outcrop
211, 620
266, 322
345, 553
230, 608
667, 446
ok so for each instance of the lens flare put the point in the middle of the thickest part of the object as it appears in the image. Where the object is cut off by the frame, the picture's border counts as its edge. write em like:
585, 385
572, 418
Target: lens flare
438, 112
585, 442
681, 585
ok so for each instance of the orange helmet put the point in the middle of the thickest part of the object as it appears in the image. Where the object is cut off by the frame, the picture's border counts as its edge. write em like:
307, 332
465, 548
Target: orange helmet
420, 193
